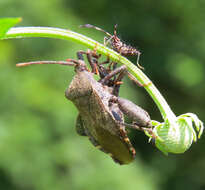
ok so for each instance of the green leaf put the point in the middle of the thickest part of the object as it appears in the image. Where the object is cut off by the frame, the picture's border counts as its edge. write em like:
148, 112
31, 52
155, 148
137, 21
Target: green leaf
177, 137
6, 24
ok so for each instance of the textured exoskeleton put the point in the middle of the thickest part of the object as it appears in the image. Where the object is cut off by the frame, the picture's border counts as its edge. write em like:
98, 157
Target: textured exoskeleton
100, 114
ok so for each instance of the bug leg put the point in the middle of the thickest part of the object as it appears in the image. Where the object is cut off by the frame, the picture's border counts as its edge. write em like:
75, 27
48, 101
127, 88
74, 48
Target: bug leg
106, 61
138, 83
79, 126
94, 52
107, 40
113, 73
143, 129
138, 115
105, 71
138, 57
102, 70
118, 115
114, 66
117, 81
91, 60
133, 79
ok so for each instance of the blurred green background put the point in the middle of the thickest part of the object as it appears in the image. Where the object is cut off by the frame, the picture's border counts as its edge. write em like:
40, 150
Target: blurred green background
39, 148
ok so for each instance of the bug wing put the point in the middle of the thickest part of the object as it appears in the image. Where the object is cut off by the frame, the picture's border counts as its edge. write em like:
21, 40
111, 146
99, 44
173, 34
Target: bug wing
92, 102
109, 134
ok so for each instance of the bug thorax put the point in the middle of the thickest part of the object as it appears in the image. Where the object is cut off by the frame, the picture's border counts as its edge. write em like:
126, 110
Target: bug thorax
116, 43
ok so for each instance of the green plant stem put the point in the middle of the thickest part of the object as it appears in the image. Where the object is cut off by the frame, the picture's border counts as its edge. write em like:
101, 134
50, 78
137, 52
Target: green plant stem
49, 32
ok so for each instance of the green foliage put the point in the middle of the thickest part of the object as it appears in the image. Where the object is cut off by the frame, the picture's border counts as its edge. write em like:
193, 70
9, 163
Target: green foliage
172, 132
6, 23
177, 137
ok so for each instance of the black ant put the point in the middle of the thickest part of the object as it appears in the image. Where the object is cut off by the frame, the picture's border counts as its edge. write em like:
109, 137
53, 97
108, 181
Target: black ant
117, 44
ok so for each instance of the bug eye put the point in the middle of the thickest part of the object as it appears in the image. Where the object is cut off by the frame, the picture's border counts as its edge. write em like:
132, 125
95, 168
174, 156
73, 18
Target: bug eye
116, 116
80, 56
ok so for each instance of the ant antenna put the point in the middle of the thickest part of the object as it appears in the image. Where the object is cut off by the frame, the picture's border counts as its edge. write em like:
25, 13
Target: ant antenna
46, 62
95, 27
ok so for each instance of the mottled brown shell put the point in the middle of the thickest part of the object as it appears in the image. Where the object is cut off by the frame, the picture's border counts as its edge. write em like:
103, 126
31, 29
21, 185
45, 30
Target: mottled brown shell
92, 102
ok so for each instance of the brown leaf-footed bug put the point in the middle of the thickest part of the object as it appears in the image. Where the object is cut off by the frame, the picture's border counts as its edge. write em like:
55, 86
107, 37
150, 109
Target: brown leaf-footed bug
117, 44
100, 116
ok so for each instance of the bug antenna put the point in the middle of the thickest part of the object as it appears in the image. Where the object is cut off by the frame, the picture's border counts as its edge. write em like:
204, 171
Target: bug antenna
46, 62
115, 30
96, 28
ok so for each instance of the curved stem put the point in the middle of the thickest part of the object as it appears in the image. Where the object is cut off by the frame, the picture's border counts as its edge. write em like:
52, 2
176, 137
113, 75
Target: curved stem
49, 32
